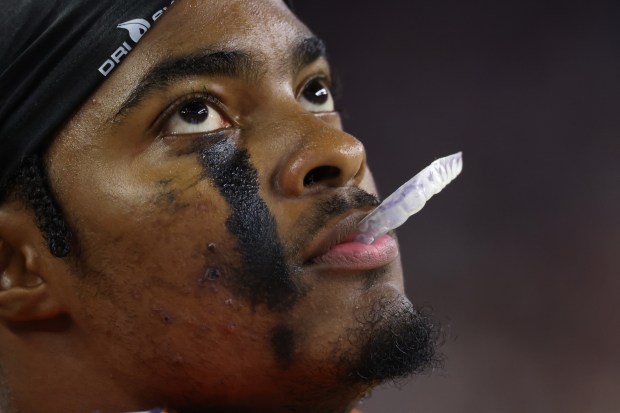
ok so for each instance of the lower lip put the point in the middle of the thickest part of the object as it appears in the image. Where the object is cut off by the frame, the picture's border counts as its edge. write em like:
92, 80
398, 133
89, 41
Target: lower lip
358, 256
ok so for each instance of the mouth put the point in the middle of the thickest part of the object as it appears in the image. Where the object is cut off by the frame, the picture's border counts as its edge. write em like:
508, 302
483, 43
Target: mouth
335, 247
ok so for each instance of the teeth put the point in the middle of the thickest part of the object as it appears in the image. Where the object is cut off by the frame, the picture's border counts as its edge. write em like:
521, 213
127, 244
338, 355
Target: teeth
409, 198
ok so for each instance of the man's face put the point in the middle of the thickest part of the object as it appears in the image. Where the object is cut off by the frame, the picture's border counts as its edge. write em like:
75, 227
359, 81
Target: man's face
204, 181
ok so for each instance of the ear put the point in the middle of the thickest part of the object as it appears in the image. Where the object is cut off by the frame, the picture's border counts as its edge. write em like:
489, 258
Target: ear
26, 274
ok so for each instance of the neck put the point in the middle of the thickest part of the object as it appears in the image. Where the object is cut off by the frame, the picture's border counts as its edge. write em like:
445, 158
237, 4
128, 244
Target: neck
50, 366
45, 367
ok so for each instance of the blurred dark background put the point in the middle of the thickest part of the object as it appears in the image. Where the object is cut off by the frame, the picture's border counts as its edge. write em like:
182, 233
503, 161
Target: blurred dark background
520, 256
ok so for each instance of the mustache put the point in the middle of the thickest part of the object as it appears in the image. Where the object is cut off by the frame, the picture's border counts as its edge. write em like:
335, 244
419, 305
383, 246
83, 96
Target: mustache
326, 210
355, 198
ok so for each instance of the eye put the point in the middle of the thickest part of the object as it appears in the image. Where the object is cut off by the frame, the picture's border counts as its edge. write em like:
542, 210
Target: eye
196, 116
316, 97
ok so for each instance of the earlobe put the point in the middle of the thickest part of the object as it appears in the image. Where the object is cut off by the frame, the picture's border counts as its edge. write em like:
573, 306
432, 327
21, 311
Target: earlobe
25, 293
28, 304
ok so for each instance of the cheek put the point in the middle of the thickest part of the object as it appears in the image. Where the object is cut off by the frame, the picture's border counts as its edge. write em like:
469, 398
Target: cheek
165, 264
162, 232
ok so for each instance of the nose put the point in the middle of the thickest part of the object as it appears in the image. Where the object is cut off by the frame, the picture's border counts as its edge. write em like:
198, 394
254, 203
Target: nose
325, 158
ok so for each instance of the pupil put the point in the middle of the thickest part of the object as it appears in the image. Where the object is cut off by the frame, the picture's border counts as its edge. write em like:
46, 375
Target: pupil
316, 93
194, 112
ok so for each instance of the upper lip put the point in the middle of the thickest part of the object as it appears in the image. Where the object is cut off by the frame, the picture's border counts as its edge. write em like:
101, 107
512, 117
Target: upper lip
339, 229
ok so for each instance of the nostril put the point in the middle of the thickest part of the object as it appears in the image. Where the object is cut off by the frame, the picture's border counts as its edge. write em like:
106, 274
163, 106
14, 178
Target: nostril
320, 175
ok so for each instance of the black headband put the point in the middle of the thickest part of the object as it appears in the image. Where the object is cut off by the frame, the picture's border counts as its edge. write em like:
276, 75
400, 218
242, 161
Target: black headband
53, 55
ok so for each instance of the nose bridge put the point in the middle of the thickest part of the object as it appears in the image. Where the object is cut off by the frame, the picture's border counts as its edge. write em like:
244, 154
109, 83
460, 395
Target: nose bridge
321, 156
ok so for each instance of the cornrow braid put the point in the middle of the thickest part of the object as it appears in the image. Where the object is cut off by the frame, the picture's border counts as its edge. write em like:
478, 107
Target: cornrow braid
30, 184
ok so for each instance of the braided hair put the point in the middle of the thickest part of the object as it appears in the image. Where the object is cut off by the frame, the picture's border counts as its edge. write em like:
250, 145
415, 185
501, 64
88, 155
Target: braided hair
30, 184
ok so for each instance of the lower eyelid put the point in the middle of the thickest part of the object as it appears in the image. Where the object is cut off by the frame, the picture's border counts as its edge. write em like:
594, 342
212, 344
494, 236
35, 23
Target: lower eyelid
207, 137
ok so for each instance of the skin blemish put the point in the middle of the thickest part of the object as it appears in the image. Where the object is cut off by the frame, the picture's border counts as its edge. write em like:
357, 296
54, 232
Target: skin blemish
165, 316
211, 274
177, 360
265, 277
283, 345
211, 247
203, 207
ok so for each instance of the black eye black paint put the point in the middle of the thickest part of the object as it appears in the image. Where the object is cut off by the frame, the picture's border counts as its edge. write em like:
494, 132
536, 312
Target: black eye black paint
265, 277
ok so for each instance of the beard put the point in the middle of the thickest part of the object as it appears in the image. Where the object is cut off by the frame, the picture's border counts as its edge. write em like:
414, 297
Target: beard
393, 341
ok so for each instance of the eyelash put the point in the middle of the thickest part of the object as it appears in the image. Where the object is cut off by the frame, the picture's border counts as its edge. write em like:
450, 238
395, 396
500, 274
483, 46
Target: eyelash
194, 96
323, 78
207, 97
331, 82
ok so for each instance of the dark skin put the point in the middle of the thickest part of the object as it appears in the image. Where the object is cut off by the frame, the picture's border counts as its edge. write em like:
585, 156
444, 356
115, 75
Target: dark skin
183, 292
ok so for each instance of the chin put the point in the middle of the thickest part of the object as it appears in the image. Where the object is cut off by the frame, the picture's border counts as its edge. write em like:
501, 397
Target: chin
388, 339
392, 340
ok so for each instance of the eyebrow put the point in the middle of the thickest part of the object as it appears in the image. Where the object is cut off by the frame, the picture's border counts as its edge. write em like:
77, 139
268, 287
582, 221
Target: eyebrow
229, 63
307, 51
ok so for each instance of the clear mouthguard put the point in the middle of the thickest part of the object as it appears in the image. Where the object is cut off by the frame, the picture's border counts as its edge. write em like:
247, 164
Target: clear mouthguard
410, 198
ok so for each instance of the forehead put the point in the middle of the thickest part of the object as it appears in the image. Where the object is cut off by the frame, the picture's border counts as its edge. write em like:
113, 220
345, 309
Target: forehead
227, 23
264, 28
